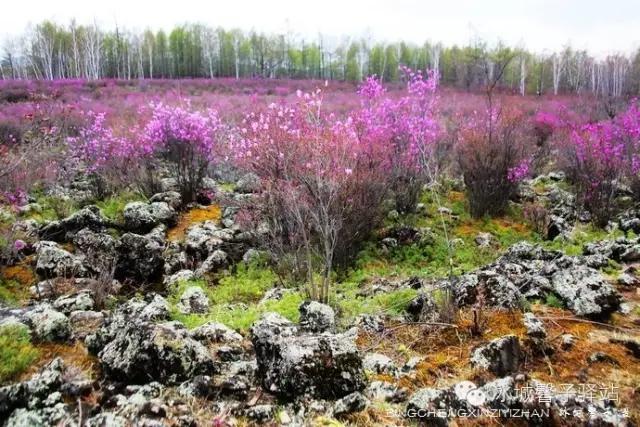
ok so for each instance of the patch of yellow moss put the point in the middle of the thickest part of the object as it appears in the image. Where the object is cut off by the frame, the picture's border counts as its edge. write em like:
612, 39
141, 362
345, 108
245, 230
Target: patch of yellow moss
20, 273
194, 216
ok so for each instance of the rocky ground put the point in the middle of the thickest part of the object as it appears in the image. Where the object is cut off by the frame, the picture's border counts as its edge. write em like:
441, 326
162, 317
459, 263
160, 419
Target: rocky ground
157, 315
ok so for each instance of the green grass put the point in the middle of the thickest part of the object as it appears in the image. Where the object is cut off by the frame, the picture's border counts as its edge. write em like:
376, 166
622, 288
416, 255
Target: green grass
53, 208
553, 301
581, 235
12, 292
16, 351
113, 206
235, 299
431, 257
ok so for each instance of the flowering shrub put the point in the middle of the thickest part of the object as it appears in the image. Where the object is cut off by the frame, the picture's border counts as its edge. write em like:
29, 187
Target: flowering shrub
33, 161
594, 161
322, 186
494, 155
406, 128
186, 140
599, 156
179, 138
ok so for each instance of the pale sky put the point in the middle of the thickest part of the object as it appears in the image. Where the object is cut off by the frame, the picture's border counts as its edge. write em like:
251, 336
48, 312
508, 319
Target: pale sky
601, 26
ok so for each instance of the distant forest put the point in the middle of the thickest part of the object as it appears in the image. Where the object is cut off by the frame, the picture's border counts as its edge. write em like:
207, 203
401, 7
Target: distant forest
53, 51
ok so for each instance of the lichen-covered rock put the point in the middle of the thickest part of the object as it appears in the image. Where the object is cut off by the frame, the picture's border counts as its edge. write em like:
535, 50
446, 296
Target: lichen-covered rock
180, 276
354, 402
483, 240
292, 364
53, 261
171, 198
165, 352
153, 308
424, 404
213, 332
99, 250
36, 398
85, 322
500, 356
141, 217
193, 300
585, 291
214, 262
535, 328
48, 324
202, 239
82, 300
385, 392
89, 217
139, 258
316, 317
370, 323
528, 271
249, 183
379, 364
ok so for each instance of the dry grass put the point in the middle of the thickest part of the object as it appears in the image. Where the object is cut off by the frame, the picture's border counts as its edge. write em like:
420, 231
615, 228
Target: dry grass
446, 354
74, 355
194, 216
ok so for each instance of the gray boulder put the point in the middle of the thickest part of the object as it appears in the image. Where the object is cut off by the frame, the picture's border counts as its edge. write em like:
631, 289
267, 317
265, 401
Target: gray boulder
379, 364
213, 332
291, 364
316, 317
139, 258
171, 198
500, 356
142, 217
354, 402
99, 250
535, 328
249, 183
53, 261
193, 300
89, 217
48, 324
135, 351
82, 300
214, 262
585, 291
84, 323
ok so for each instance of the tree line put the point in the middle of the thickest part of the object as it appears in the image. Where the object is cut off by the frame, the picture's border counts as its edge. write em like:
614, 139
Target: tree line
53, 51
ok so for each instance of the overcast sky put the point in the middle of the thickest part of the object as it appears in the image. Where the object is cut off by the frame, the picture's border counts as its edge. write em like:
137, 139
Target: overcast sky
601, 26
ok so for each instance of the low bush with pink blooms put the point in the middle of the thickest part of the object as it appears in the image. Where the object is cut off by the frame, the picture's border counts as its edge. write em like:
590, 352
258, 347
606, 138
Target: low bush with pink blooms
322, 186
178, 138
600, 157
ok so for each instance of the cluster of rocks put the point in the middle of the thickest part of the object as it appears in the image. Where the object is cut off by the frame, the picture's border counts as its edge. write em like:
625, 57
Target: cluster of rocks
528, 271
83, 245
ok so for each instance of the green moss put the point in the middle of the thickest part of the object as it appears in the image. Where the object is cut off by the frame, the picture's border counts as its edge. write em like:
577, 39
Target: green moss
553, 301
16, 351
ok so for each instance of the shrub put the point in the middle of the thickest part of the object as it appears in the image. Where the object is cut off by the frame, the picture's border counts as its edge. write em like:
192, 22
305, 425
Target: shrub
322, 186
186, 140
178, 138
408, 130
494, 155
